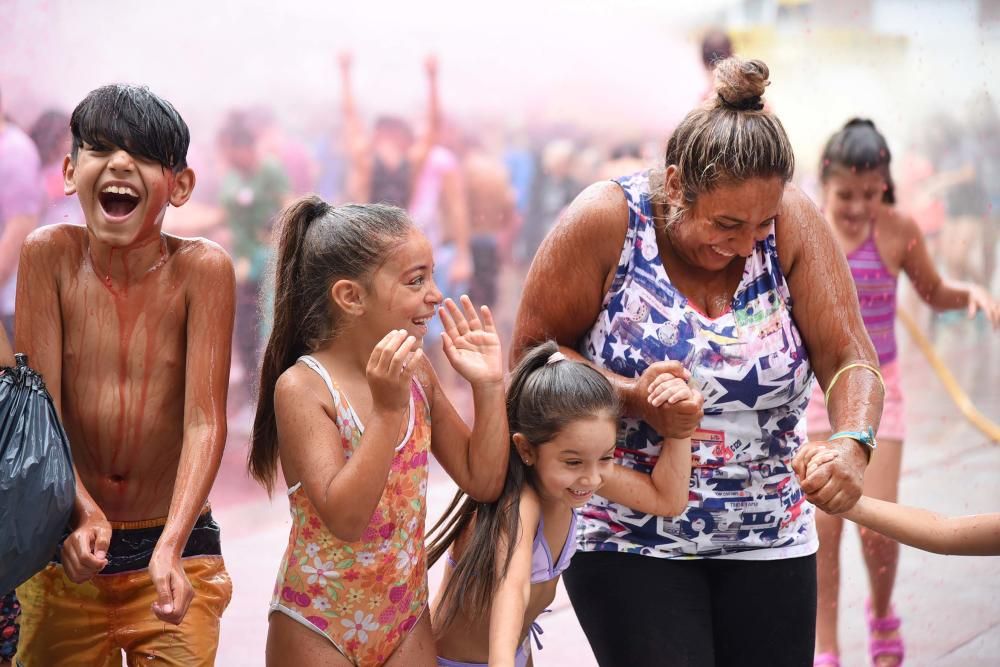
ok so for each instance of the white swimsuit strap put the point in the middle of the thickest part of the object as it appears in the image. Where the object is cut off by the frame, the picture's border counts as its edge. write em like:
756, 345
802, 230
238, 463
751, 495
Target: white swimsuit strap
318, 367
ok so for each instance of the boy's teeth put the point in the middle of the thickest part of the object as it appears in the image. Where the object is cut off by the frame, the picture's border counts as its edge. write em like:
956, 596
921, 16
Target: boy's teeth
120, 190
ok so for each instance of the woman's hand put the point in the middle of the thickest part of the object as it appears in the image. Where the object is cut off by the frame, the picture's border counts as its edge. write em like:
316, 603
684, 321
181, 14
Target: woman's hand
390, 369
471, 345
831, 473
650, 400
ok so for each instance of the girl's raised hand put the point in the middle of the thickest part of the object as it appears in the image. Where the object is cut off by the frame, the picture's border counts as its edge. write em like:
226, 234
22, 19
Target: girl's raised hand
390, 369
980, 299
470, 343
669, 389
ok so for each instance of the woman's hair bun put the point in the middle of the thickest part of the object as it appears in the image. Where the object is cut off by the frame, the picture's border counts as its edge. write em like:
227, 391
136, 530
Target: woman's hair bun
740, 83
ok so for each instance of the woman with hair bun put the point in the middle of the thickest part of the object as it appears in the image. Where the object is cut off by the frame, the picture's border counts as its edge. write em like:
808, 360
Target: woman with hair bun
716, 264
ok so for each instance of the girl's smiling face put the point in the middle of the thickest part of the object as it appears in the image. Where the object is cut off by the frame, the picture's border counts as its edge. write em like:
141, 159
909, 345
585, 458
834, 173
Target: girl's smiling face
570, 467
851, 199
402, 293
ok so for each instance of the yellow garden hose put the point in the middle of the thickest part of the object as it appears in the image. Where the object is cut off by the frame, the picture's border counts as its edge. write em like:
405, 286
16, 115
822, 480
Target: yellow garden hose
961, 399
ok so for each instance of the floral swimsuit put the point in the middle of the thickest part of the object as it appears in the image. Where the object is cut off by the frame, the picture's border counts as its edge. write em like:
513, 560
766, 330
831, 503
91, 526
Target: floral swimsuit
363, 596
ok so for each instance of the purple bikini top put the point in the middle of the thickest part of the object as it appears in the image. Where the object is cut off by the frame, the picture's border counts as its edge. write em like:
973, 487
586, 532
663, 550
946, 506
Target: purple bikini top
542, 567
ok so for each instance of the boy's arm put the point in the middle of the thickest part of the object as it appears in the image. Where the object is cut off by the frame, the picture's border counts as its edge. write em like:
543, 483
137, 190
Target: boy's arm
209, 332
514, 590
39, 334
975, 535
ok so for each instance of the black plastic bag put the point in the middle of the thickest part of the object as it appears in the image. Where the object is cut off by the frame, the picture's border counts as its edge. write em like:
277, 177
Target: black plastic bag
37, 486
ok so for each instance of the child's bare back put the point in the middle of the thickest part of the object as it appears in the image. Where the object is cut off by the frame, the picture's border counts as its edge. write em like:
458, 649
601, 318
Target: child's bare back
118, 348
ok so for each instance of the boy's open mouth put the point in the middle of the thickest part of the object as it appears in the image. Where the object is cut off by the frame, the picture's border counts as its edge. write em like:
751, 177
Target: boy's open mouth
118, 200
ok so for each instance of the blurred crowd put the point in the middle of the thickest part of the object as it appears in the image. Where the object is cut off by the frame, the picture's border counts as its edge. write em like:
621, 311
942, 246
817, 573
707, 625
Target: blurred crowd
484, 194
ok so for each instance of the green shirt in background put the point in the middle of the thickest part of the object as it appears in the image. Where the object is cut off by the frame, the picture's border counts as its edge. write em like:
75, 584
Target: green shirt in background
251, 203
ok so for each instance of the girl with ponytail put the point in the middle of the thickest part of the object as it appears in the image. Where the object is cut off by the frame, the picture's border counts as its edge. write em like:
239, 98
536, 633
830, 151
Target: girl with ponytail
346, 405
505, 556
880, 242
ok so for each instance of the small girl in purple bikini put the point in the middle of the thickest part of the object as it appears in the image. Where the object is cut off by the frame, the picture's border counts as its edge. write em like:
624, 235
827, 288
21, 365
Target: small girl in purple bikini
505, 557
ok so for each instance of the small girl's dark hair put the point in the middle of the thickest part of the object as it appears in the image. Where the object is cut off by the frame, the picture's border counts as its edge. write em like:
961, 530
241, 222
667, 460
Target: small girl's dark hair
319, 244
132, 118
543, 398
858, 146
730, 138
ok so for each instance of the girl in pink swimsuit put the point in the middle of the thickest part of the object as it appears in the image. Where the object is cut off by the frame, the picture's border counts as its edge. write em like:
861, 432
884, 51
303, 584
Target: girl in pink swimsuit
506, 556
880, 242
347, 401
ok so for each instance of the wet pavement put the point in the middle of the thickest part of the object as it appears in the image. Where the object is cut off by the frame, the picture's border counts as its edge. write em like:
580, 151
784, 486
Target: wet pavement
949, 605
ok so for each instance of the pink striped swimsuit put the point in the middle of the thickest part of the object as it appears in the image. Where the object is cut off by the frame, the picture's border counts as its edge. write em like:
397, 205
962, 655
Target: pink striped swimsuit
876, 288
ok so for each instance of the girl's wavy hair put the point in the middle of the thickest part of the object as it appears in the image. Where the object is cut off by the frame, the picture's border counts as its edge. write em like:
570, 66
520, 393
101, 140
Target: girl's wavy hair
858, 146
318, 245
730, 138
543, 398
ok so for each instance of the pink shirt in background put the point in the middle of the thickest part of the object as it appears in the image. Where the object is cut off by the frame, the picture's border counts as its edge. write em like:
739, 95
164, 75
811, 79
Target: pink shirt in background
21, 191
425, 204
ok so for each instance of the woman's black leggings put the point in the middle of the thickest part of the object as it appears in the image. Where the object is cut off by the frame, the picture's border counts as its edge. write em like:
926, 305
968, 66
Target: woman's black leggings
644, 611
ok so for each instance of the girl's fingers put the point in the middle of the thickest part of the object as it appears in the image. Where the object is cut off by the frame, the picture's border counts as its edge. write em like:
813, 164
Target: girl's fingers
461, 324
447, 320
396, 363
375, 360
392, 344
449, 348
470, 312
412, 361
488, 322
670, 393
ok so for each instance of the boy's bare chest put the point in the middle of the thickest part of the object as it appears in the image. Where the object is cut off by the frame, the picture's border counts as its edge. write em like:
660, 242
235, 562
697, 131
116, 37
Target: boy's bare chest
126, 332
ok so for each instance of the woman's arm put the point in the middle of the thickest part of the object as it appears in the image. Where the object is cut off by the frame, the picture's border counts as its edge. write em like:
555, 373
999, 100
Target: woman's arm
975, 535
663, 492
476, 459
564, 291
513, 590
940, 294
828, 316
345, 492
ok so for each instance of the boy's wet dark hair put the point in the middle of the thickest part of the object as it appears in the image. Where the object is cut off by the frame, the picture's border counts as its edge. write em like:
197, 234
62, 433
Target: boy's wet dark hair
133, 118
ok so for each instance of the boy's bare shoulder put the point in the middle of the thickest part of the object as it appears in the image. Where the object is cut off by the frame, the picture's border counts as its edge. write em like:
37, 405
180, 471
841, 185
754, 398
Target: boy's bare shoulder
200, 257
53, 242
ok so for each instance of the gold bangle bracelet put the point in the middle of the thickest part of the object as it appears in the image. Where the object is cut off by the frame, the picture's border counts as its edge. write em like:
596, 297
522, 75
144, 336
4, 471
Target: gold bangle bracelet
848, 367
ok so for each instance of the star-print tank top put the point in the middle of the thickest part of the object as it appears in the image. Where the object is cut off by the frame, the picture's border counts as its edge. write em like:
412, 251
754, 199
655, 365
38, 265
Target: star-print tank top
750, 364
